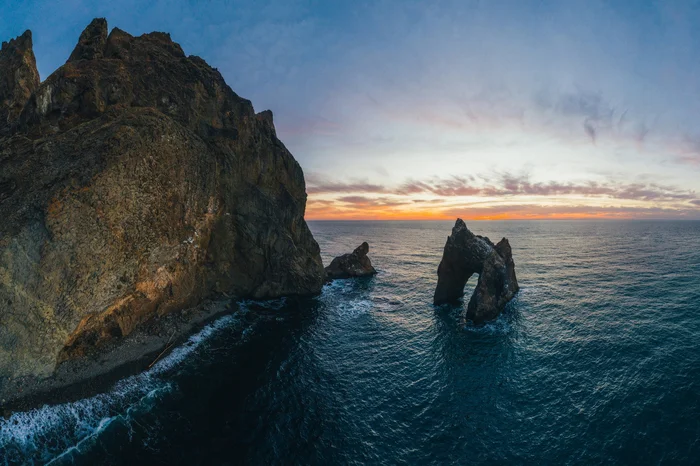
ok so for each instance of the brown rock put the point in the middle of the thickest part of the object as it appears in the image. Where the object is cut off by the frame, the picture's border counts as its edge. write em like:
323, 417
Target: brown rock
136, 183
466, 254
18, 78
92, 42
356, 264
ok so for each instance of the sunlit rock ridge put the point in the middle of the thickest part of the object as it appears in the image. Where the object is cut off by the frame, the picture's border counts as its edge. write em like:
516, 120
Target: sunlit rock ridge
134, 183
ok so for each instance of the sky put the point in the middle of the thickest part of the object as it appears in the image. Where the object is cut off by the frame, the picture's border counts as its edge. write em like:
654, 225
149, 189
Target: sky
405, 109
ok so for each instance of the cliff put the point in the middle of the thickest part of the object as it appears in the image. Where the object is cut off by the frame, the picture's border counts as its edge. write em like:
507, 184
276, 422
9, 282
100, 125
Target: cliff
19, 78
134, 183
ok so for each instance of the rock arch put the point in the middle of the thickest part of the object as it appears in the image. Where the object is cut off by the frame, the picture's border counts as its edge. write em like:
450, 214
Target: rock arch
466, 254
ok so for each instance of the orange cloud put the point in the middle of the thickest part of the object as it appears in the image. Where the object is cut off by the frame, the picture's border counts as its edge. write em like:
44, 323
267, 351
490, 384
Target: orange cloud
502, 197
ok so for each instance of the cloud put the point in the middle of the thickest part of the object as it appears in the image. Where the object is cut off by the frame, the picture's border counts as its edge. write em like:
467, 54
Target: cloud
345, 188
590, 129
510, 185
536, 211
428, 201
503, 211
503, 196
590, 105
689, 150
455, 186
318, 184
689, 159
374, 202
591, 109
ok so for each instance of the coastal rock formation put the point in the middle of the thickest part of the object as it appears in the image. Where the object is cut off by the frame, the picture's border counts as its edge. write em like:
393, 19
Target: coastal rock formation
135, 183
19, 78
466, 254
356, 264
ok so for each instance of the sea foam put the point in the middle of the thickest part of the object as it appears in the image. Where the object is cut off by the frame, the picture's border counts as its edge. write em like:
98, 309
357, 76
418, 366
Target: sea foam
54, 433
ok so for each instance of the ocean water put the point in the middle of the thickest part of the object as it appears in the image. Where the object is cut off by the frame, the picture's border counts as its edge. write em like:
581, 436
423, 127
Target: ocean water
596, 361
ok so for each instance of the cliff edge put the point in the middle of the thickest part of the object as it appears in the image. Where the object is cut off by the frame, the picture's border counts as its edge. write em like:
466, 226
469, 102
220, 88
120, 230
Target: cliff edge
134, 183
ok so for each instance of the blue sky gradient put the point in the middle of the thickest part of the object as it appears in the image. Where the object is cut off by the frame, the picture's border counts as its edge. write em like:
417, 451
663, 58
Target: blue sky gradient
417, 109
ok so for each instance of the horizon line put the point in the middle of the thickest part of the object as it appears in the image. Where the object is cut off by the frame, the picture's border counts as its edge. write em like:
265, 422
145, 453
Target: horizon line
607, 219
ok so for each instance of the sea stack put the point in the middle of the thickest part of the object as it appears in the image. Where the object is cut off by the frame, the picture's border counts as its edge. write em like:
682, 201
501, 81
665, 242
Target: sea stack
355, 264
466, 254
134, 183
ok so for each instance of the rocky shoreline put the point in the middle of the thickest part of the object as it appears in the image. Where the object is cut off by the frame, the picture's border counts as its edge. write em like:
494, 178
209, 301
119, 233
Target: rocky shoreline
96, 373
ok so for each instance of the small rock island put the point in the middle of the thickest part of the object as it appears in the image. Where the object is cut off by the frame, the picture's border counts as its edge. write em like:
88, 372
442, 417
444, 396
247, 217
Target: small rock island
355, 264
466, 254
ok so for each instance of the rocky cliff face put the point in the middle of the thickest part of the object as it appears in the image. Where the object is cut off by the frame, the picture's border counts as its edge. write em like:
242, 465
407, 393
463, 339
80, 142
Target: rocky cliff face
466, 254
18, 78
135, 183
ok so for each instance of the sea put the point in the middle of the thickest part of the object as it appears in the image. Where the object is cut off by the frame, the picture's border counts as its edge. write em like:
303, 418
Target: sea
596, 361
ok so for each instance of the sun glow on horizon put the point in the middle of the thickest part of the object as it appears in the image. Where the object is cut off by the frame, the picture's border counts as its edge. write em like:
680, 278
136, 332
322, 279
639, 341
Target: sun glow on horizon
527, 212
504, 197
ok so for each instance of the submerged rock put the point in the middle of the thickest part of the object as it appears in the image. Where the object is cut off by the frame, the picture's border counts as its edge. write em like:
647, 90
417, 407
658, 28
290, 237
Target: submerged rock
356, 264
466, 254
135, 183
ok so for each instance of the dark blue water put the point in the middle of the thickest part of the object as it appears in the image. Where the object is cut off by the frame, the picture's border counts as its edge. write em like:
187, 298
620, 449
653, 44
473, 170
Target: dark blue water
597, 361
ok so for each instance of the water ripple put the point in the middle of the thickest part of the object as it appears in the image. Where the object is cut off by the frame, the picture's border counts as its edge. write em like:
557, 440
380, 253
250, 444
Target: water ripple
595, 361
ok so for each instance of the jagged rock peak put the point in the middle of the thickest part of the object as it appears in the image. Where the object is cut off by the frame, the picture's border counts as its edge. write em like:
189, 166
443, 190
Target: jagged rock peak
96, 43
466, 254
19, 77
22, 42
109, 72
460, 229
356, 264
266, 117
92, 42
164, 43
361, 250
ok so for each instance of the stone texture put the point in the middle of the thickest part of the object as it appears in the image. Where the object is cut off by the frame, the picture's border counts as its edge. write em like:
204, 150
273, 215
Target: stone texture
135, 183
466, 254
355, 264
92, 42
19, 78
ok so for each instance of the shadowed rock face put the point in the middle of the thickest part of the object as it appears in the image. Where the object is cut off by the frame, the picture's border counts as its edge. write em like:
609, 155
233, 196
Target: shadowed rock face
92, 43
18, 78
356, 264
466, 254
134, 183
